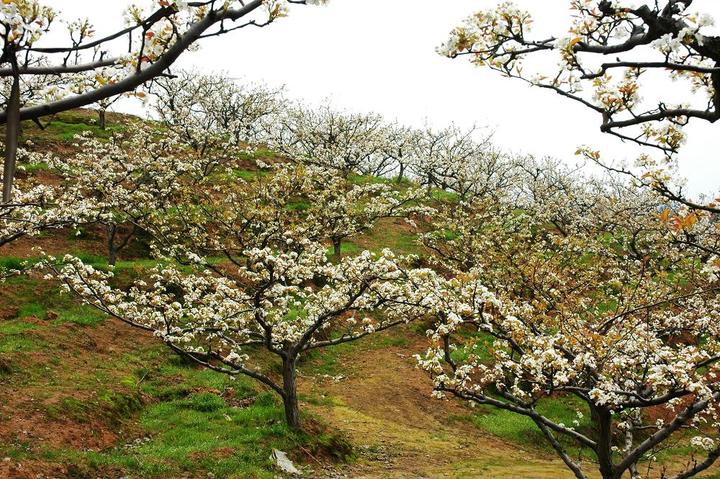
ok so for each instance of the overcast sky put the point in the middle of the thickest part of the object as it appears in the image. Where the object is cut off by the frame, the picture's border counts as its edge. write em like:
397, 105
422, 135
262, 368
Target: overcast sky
379, 55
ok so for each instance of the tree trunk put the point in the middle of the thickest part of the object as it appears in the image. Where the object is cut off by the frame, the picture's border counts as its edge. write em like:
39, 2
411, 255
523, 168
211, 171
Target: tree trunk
401, 173
290, 401
337, 248
12, 134
112, 250
603, 424
101, 119
431, 180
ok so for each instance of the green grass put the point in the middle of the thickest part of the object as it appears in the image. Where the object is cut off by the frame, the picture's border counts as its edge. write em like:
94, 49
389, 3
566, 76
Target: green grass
204, 434
368, 180
18, 451
328, 361
253, 173
81, 315
379, 180
190, 426
11, 263
263, 154
391, 236
111, 406
62, 128
402, 243
176, 377
346, 248
197, 420
334, 360
16, 344
66, 132
248, 175
444, 196
258, 154
479, 345
14, 337
521, 429
16, 327
70, 408
508, 425
65, 308
33, 309
301, 205
129, 266
34, 167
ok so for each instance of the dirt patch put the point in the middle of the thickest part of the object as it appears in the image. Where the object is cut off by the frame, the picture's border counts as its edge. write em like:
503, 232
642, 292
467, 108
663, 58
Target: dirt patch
34, 427
55, 403
220, 453
8, 313
41, 470
57, 243
399, 431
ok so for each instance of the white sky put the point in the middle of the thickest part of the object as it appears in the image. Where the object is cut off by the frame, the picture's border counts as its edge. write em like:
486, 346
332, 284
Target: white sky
379, 55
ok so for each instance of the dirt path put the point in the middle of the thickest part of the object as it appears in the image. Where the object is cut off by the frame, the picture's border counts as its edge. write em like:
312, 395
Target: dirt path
400, 432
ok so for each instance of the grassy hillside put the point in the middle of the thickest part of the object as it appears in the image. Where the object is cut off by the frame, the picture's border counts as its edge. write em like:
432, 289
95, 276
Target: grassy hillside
84, 396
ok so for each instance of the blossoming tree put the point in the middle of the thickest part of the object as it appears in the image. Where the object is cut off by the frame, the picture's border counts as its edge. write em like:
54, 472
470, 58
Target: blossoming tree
39, 208
325, 137
582, 297
130, 179
609, 49
154, 37
260, 283
213, 114
397, 150
337, 210
461, 161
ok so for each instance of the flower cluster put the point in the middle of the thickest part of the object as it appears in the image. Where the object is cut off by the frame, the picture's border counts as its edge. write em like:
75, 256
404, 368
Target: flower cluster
39, 207
24, 22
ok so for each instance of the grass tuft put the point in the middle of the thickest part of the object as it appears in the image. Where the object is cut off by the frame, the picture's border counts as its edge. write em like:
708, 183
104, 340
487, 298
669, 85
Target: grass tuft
33, 309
